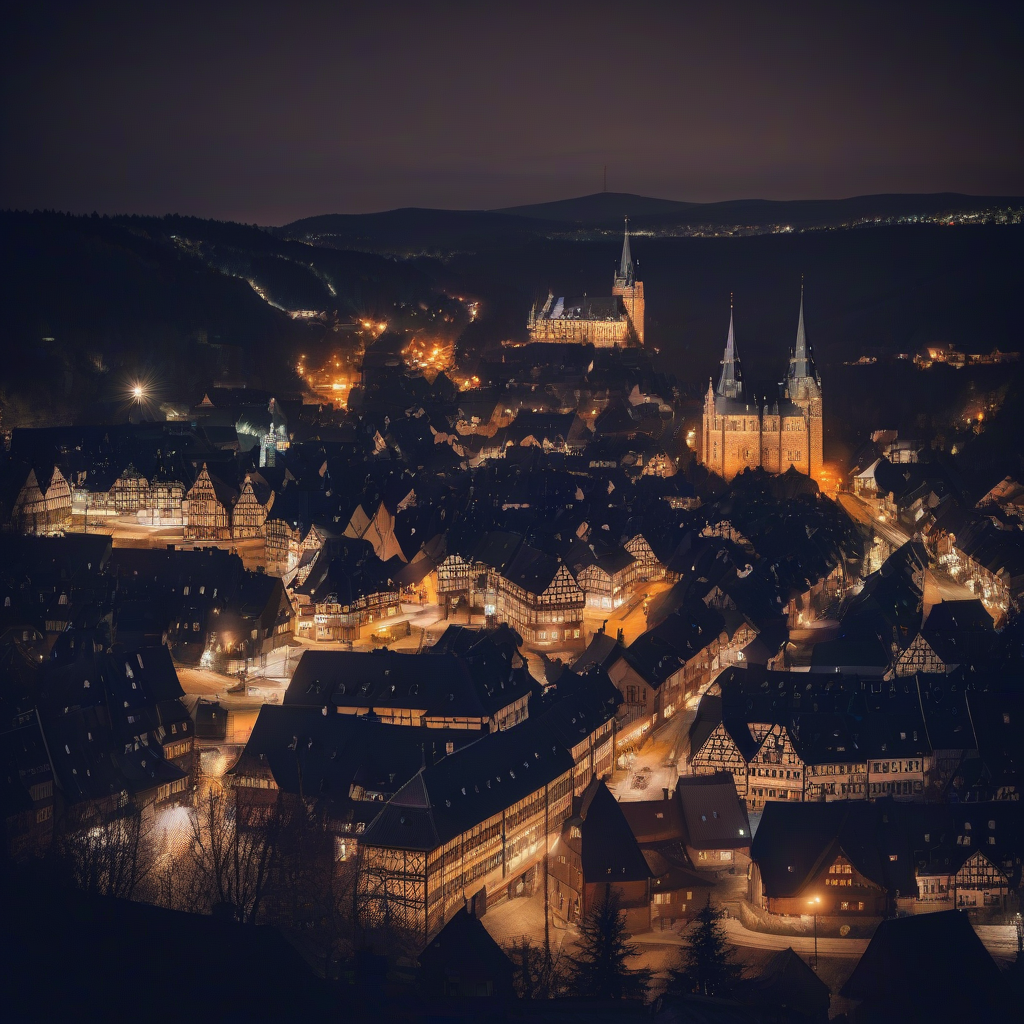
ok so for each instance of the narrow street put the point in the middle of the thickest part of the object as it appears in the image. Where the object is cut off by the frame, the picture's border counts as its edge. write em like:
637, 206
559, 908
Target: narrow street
938, 584
656, 766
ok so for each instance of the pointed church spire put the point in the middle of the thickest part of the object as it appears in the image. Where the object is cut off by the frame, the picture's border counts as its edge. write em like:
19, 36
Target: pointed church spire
802, 363
730, 384
627, 272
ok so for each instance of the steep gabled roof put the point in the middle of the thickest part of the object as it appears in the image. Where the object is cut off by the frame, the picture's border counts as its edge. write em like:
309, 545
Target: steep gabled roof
713, 815
931, 967
609, 850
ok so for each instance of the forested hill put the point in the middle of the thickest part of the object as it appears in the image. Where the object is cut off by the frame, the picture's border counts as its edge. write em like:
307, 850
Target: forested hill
411, 232
88, 300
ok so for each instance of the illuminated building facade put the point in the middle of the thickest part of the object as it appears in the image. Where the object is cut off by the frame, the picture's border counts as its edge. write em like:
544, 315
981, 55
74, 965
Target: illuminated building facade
740, 433
603, 321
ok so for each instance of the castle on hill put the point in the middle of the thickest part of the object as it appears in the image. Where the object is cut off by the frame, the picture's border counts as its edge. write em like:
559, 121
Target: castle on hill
739, 433
604, 321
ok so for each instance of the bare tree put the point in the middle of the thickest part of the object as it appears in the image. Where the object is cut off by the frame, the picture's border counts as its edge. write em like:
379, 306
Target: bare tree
110, 856
313, 889
234, 854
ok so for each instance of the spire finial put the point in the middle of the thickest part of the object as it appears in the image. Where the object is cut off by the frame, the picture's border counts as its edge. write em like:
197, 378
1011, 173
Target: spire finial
627, 272
730, 384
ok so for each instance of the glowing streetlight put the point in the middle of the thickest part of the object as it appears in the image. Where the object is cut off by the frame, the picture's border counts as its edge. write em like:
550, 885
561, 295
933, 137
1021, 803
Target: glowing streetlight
137, 392
814, 905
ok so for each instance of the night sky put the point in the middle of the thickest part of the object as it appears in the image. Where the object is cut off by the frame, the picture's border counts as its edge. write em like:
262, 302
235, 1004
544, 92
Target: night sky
266, 113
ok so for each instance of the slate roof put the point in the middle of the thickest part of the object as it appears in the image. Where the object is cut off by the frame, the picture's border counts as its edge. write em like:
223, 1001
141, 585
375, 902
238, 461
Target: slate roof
926, 968
654, 821
714, 817
467, 787
464, 949
831, 718
104, 717
795, 841
532, 570
786, 980
321, 757
608, 849
439, 684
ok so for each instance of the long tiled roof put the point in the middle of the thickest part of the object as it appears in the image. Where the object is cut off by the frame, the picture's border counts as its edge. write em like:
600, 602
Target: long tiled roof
469, 786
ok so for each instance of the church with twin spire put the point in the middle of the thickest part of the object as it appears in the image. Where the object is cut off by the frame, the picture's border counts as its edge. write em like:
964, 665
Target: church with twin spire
739, 432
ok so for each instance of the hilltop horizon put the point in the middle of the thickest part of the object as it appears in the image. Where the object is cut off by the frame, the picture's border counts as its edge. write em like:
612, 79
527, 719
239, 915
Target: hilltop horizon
607, 203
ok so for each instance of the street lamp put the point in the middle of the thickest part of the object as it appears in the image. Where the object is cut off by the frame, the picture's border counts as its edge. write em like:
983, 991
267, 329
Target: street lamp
814, 904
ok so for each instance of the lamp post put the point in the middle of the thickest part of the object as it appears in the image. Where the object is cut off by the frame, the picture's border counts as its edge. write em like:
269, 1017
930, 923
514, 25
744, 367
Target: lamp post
814, 912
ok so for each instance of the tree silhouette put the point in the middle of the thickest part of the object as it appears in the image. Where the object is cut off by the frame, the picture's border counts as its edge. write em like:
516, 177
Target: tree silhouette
599, 968
706, 964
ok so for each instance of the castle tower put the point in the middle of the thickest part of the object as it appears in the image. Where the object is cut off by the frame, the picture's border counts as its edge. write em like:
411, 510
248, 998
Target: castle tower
803, 389
626, 285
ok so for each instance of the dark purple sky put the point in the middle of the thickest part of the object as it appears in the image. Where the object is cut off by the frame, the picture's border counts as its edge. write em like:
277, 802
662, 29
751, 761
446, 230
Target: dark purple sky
266, 113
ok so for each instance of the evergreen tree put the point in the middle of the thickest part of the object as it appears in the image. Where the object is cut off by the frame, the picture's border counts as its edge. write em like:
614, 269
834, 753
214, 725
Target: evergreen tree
599, 968
706, 964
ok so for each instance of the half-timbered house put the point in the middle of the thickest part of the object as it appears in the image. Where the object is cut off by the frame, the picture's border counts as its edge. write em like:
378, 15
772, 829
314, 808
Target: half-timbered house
803, 736
607, 583
346, 592
647, 565
812, 859
250, 511
164, 504
539, 598
579, 713
117, 732
714, 820
481, 818
347, 765
486, 691
43, 503
206, 509
853, 857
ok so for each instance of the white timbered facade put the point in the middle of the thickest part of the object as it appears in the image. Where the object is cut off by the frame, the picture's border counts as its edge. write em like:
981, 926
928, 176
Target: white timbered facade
283, 546
206, 517
249, 515
552, 617
165, 504
647, 566
606, 590
43, 507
